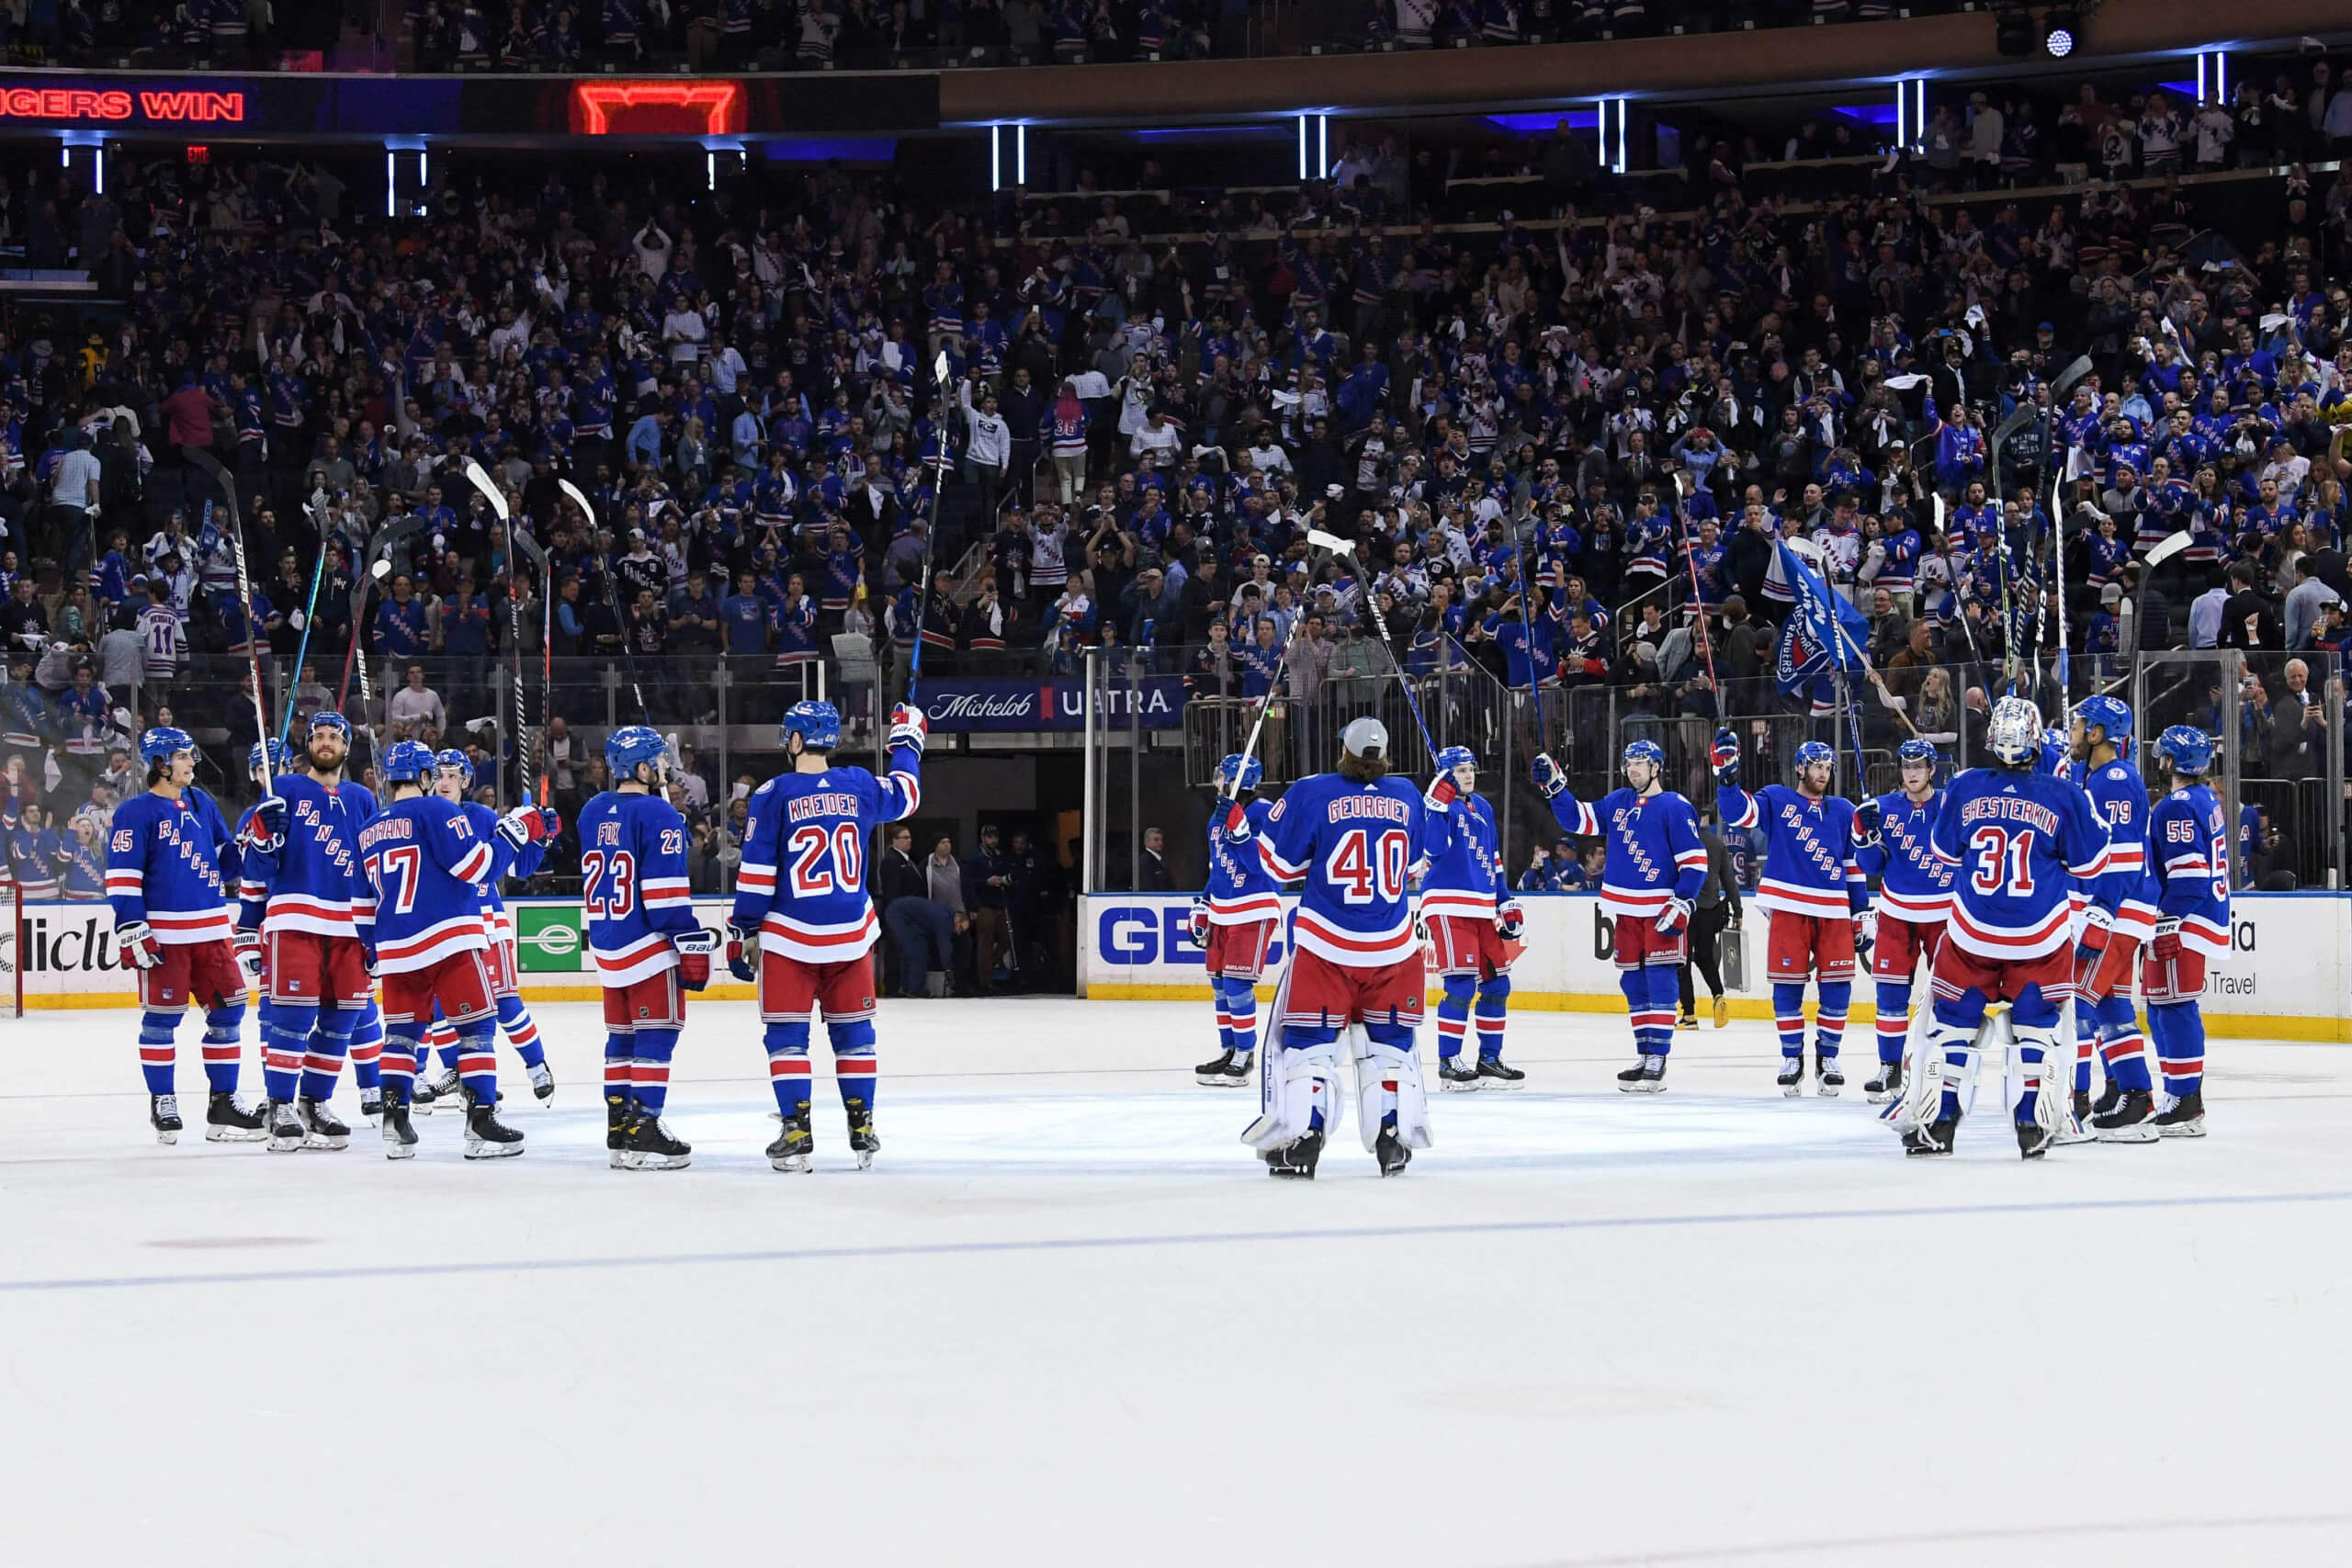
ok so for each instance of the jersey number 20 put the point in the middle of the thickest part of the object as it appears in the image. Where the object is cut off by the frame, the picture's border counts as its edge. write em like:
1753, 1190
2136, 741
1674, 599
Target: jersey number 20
812, 878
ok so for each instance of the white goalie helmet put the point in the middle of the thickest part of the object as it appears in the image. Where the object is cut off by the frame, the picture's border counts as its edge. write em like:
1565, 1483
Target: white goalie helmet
1366, 737
2014, 733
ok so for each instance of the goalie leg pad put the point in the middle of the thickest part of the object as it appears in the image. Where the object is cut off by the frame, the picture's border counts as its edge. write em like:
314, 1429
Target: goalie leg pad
1297, 1084
1388, 1083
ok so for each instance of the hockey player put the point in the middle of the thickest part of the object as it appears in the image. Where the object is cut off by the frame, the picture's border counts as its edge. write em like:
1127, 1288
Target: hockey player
2189, 848
650, 948
2012, 836
2119, 918
802, 906
301, 863
1914, 901
1470, 917
169, 864
1814, 889
419, 920
1234, 921
453, 776
1351, 836
1651, 876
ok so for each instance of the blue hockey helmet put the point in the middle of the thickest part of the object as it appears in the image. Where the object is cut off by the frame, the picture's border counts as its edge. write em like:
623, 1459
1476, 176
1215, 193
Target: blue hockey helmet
408, 762
164, 743
2109, 713
2185, 751
2013, 733
819, 725
1454, 757
273, 748
1814, 751
1917, 749
1247, 770
327, 718
1644, 751
453, 757
631, 746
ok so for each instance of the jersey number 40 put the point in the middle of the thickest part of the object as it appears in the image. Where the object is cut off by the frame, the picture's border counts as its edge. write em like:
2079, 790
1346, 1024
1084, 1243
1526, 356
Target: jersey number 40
1358, 866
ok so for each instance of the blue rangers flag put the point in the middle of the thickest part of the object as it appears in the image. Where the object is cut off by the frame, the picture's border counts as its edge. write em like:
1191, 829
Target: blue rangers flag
1823, 634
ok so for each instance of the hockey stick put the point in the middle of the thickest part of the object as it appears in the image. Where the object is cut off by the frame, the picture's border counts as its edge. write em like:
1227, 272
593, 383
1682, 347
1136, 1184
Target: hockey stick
318, 509
1228, 792
497, 499
1697, 603
931, 537
1527, 630
537, 555
1345, 551
203, 459
612, 603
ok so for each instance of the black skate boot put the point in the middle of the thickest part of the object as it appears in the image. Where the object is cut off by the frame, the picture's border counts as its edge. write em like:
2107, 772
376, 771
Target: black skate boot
1495, 1073
226, 1121
1646, 1075
486, 1136
450, 1086
371, 1102
421, 1097
2082, 1106
1296, 1160
325, 1129
1887, 1086
2034, 1139
542, 1078
2184, 1118
164, 1115
1452, 1077
1828, 1077
400, 1136
653, 1146
2108, 1098
862, 1141
1930, 1140
618, 1113
1228, 1069
1792, 1078
284, 1125
1389, 1150
2130, 1119
795, 1148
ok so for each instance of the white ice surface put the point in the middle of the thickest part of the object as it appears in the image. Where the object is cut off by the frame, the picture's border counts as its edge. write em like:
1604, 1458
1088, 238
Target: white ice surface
1067, 1319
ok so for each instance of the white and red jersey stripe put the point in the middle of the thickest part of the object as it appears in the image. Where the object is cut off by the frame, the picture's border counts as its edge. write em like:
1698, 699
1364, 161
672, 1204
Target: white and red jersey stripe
2005, 944
812, 942
1353, 949
641, 960
1459, 903
424, 948
1918, 908
1795, 899
301, 912
1245, 909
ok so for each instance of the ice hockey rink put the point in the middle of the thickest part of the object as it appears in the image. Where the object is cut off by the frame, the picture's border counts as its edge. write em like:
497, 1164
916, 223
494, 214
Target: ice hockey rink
1067, 1318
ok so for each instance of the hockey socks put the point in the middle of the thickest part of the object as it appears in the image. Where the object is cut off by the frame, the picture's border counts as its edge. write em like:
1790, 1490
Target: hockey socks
1894, 1019
2120, 1044
1491, 997
1651, 1006
1236, 1015
853, 1067
1453, 1015
157, 1050
522, 1031
1788, 1015
478, 1062
788, 1069
650, 1069
286, 1030
620, 1046
2179, 1030
329, 1042
223, 1044
367, 1048
1830, 1016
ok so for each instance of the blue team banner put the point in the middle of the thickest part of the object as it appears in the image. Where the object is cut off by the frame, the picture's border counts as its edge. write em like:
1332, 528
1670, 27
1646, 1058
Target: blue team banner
1001, 704
1824, 633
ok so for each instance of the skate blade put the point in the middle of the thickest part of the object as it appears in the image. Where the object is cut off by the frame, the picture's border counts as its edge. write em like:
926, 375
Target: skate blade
478, 1149
287, 1145
1882, 1096
2137, 1133
1220, 1080
166, 1138
235, 1135
795, 1165
1447, 1086
1829, 1091
1793, 1090
2183, 1130
1644, 1086
326, 1142
663, 1162
866, 1159
1928, 1154
621, 1159
1290, 1173
400, 1151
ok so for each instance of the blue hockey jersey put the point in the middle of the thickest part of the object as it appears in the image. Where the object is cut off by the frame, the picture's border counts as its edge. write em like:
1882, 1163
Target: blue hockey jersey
1239, 892
1654, 852
1809, 865
496, 923
171, 864
802, 884
2121, 801
1913, 885
1465, 874
633, 884
1354, 843
423, 868
2013, 842
2189, 846
306, 884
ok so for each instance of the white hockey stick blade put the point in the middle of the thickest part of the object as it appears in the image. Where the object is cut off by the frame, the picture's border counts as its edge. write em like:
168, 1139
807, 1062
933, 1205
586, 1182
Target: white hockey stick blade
1332, 542
2163, 549
491, 492
578, 499
939, 368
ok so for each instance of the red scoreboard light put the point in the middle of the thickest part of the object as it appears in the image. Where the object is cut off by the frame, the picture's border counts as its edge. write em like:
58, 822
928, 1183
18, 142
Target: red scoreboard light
657, 108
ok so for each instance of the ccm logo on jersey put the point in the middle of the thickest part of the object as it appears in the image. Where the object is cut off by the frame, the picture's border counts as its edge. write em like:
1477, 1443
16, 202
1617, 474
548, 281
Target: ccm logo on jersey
1150, 933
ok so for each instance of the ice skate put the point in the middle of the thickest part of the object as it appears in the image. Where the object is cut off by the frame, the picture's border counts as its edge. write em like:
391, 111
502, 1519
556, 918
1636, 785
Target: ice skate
2034, 1140
1646, 1075
322, 1129
2184, 1118
2108, 1098
862, 1141
447, 1087
226, 1121
652, 1146
1792, 1078
400, 1136
1296, 1160
486, 1136
1828, 1077
1887, 1086
164, 1115
371, 1103
542, 1081
421, 1098
1931, 1140
1495, 1073
618, 1112
794, 1147
285, 1127
1228, 1069
2130, 1119
1389, 1150
1455, 1077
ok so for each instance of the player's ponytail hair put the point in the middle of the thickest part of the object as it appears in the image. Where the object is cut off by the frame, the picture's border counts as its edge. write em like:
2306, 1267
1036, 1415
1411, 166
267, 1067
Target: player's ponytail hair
1361, 770
157, 771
